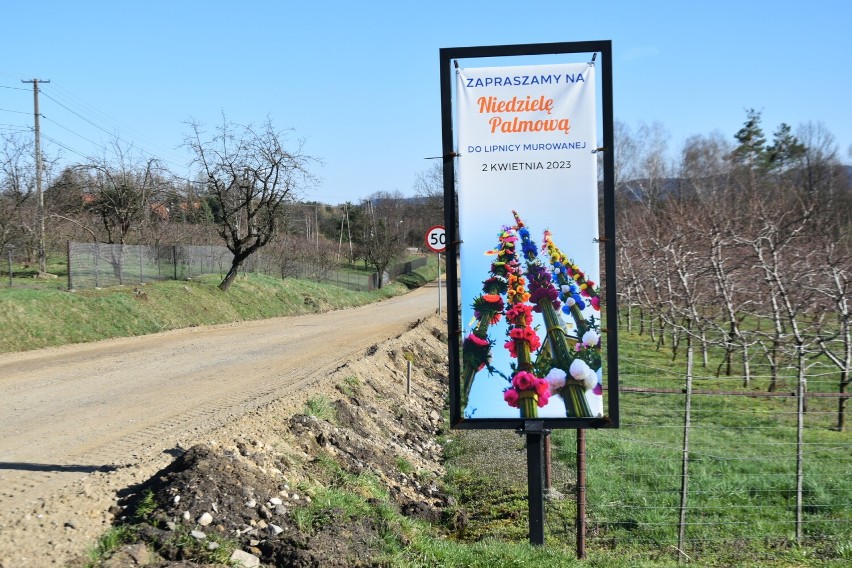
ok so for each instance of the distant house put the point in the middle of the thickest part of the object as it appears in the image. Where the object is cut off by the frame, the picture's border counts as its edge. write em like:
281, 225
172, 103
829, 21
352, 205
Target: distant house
161, 211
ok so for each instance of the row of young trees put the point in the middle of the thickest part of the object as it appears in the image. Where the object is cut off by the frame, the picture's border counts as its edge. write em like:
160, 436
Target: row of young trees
248, 195
743, 246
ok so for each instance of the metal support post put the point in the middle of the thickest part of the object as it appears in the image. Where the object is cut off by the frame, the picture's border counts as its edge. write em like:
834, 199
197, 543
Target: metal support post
535, 432
581, 493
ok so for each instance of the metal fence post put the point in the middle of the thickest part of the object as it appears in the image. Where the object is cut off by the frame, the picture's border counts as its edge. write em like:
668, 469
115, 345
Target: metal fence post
67, 261
97, 264
581, 493
9, 250
121, 264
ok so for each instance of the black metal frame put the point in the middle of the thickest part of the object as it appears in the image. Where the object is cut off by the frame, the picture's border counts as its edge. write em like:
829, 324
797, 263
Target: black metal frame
447, 57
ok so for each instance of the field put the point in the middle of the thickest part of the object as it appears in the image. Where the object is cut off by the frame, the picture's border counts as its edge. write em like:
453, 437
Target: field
741, 505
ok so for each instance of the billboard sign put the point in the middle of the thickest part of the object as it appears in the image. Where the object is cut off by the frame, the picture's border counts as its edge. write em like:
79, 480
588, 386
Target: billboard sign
532, 340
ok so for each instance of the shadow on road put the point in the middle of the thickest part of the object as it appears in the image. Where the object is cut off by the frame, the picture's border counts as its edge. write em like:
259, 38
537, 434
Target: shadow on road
75, 468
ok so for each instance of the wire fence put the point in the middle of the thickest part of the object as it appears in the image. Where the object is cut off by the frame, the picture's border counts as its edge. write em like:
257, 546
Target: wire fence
749, 468
97, 265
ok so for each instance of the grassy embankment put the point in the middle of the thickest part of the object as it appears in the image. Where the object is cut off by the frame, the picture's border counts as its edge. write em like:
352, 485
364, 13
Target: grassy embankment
41, 313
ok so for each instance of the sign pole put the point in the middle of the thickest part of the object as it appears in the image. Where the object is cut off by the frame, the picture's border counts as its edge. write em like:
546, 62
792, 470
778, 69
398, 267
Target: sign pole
436, 241
534, 430
581, 493
439, 284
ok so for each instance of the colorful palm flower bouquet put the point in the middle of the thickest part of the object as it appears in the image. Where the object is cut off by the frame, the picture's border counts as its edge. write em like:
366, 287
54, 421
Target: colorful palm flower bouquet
568, 361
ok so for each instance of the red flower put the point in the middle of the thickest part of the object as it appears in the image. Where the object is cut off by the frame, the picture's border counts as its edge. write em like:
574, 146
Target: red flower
524, 380
510, 346
511, 397
476, 340
542, 387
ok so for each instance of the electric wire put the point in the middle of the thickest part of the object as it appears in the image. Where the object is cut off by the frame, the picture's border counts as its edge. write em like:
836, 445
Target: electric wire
61, 98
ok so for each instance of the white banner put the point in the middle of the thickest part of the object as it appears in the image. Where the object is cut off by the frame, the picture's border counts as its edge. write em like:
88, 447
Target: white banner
526, 139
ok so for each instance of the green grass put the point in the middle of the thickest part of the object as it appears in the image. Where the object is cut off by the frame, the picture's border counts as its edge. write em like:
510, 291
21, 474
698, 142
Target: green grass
741, 507
351, 386
146, 506
742, 468
321, 408
404, 466
110, 542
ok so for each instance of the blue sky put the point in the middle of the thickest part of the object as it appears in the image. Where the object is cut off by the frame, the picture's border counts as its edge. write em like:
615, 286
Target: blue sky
359, 81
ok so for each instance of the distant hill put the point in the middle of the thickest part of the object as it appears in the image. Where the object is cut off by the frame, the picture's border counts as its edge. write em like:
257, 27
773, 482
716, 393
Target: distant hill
672, 185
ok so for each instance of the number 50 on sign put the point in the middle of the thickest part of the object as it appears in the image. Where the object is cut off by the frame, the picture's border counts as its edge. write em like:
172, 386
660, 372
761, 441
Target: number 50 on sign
436, 239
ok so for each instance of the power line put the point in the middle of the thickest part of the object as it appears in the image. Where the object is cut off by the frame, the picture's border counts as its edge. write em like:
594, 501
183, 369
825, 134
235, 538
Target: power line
80, 116
69, 130
65, 146
91, 115
92, 110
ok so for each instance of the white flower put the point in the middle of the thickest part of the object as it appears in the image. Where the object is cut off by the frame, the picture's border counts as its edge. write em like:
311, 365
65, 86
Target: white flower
590, 338
570, 301
579, 369
566, 288
556, 379
590, 381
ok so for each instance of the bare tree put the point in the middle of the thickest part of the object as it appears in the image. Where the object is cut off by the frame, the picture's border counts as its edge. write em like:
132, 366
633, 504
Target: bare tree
429, 187
17, 183
120, 191
321, 260
835, 339
650, 172
252, 177
382, 239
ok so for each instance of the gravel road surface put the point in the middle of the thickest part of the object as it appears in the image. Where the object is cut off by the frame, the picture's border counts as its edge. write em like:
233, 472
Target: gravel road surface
79, 422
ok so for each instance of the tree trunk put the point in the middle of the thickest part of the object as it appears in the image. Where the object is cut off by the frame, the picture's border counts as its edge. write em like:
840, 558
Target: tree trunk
229, 277
675, 341
746, 366
727, 362
773, 366
233, 271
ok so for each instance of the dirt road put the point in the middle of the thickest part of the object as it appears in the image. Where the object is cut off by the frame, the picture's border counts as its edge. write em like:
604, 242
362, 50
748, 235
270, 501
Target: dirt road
118, 407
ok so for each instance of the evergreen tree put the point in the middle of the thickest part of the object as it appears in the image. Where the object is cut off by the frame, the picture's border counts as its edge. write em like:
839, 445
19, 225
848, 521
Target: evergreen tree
751, 151
785, 150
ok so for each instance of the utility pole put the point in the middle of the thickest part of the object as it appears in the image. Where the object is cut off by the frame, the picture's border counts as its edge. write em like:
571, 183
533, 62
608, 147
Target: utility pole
40, 208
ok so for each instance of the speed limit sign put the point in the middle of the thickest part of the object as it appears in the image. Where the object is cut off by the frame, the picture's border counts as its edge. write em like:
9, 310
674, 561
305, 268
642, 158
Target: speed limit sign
436, 239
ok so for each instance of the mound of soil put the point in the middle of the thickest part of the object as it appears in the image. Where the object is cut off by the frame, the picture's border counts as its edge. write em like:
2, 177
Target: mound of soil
247, 494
